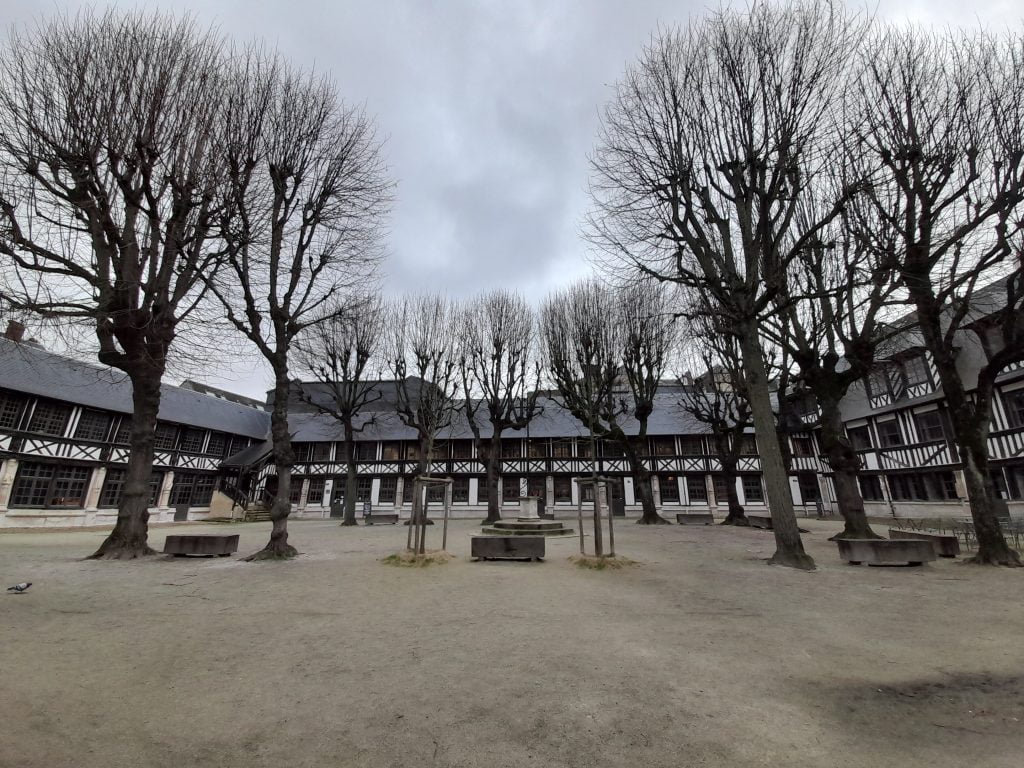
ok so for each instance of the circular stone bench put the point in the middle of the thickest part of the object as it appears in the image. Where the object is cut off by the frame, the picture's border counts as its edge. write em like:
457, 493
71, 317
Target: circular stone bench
695, 518
946, 544
220, 545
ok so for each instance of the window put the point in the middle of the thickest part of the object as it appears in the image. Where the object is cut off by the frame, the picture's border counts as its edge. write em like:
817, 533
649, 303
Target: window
537, 449
870, 488
435, 493
663, 446
1015, 481
92, 425
1015, 407
481, 490
536, 486
721, 487
388, 490
194, 490
880, 380
460, 490
691, 445
999, 483
748, 445
237, 444
124, 429
510, 489
805, 405
10, 410
365, 451
563, 490
364, 487
803, 446
315, 492
915, 371
587, 492
462, 449
50, 485
929, 426
113, 487
696, 489
860, 437
412, 451
889, 433
583, 448
809, 490
407, 489
295, 491
191, 440
561, 449
302, 452
908, 487
611, 449
163, 439
215, 445
752, 489
669, 485
511, 449
49, 419
391, 451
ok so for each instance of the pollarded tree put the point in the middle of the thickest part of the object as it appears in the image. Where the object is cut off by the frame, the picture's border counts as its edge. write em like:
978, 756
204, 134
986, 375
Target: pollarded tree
714, 394
500, 369
607, 351
706, 154
344, 356
111, 171
421, 351
938, 121
305, 201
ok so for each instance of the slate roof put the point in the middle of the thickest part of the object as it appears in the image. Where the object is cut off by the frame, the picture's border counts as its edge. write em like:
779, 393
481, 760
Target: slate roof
31, 369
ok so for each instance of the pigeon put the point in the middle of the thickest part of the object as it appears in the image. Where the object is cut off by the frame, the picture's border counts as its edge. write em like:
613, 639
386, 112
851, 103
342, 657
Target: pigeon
19, 588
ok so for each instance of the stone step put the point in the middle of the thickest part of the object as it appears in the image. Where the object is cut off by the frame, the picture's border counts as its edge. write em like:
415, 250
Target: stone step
543, 528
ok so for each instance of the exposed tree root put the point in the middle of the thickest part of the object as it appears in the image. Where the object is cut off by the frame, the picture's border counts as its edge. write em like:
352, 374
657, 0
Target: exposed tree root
656, 520
1011, 560
286, 552
737, 521
849, 533
800, 560
122, 552
349, 523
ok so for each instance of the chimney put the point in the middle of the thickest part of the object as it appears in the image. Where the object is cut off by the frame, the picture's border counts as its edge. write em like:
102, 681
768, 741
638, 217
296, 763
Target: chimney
15, 331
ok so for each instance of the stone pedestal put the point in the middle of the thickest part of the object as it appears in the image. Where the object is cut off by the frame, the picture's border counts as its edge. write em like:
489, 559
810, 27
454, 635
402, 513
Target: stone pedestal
528, 508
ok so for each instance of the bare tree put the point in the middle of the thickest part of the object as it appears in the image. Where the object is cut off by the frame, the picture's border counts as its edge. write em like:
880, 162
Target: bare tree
344, 356
607, 351
110, 166
706, 155
714, 394
422, 354
306, 198
500, 369
938, 121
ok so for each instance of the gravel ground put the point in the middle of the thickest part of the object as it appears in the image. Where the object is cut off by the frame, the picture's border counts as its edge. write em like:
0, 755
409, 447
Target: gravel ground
700, 655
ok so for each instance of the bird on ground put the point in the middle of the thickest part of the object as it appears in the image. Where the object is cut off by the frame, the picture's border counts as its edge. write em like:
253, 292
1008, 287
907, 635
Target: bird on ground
19, 588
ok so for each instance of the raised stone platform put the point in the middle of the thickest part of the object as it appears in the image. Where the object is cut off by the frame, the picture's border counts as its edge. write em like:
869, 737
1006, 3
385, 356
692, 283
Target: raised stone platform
528, 527
886, 551
946, 544
760, 521
695, 518
507, 547
380, 517
204, 545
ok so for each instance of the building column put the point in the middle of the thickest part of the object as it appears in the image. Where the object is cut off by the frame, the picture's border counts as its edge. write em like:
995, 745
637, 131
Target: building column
549, 489
92, 492
7, 474
656, 490
709, 486
164, 497
399, 491
303, 494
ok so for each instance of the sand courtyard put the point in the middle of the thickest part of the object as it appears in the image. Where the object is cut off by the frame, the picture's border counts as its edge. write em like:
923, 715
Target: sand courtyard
699, 655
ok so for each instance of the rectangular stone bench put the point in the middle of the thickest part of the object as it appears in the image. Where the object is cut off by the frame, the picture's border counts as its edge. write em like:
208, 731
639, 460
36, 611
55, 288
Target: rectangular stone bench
760, 521
695, 518
886, 551
380, 517
507, 547
201, 544
946, 544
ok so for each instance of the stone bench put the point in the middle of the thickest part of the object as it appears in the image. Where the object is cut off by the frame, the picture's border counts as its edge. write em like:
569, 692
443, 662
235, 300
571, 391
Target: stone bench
760, 521
206, 545
380, 517
946, 544
507, 547
886, 551
695, 518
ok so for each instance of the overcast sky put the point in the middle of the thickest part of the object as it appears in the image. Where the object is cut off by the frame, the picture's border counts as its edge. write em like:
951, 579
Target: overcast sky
489, 110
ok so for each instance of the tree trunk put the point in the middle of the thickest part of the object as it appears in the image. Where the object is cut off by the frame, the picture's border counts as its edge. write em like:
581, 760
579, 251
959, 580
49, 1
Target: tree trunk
284, 458
970, 426
349, 450
789, 549
736, 514
992, 546
845, 464
642, 486
417, 517
492, 464
129, 539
